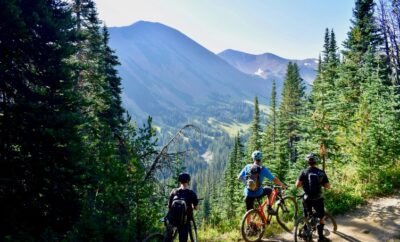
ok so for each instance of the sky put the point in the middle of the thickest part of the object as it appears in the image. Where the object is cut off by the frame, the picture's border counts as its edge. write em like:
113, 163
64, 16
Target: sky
292, 29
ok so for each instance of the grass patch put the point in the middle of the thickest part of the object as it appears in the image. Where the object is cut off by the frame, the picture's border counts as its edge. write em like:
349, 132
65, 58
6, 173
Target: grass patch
231, 128
232, 233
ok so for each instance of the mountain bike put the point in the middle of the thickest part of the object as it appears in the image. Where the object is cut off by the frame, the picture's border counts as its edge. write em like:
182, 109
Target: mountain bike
172, 230
306, 227
255, 221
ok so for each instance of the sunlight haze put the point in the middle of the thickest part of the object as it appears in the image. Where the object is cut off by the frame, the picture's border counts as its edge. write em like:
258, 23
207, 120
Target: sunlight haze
291, 29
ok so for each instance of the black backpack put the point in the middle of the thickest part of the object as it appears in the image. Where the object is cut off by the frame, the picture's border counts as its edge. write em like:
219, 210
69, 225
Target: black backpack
314, 185
178, 210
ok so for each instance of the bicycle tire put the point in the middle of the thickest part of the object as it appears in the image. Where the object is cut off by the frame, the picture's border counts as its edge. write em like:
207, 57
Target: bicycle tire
155, 237
330, 224
256, 226
193, 231
299, 233
287, 212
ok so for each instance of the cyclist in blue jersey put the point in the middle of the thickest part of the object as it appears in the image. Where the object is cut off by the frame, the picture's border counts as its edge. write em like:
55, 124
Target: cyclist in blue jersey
253, 175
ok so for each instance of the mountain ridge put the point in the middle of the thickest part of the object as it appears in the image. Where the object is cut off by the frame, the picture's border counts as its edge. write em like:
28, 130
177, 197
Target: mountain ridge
268, 65
163, 70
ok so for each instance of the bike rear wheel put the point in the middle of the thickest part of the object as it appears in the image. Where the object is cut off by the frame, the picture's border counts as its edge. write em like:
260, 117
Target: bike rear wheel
303, 230
253, 226
287, 213
330, 224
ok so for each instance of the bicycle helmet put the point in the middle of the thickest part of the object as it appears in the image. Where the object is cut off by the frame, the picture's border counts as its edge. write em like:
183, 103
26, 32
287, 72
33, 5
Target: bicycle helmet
256, 155
311, 158
184, 177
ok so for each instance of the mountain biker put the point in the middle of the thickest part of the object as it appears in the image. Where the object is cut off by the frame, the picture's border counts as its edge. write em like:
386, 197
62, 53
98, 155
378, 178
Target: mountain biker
191, 201
312, 179
254, 187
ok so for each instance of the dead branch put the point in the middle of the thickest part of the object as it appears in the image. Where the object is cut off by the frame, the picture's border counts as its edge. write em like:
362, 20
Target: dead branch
164, 151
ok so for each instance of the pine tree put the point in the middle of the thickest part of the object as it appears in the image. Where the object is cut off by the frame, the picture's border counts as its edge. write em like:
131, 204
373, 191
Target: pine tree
290, 110
232, 186
113, 114
254, 142
269, 145
323, 125
362, 44
363, 36
41, 166
375, 133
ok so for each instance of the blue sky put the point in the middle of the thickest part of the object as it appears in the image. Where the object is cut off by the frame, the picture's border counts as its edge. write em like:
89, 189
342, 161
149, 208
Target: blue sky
290, 28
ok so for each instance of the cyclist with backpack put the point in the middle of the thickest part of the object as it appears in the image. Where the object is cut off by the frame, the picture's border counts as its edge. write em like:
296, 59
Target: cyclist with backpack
312, 179
253, 175
181, 203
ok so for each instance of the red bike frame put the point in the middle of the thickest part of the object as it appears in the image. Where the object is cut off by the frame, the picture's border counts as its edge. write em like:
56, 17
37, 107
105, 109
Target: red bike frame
271, 200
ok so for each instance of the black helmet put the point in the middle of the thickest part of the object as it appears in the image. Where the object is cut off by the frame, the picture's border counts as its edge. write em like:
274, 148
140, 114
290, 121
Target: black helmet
311, 158
184, 177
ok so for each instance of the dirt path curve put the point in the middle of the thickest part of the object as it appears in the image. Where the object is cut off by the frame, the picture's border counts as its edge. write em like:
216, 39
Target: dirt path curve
378, 220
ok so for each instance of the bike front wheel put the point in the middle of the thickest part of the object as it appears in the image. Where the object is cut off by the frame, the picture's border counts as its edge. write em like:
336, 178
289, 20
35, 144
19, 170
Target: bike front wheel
303, 230
253, 226
287, 213
193, 231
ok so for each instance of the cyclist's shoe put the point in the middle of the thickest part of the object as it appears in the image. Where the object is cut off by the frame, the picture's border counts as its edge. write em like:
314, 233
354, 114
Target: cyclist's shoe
323, 239
271, 211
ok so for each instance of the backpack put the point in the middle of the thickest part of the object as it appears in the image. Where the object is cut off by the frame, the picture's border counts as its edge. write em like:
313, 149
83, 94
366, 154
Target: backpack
253, 177
314, 185
178, 211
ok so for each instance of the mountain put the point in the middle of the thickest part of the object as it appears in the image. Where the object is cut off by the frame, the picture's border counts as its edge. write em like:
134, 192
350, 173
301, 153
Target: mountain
170, 77
167, 75
268, 66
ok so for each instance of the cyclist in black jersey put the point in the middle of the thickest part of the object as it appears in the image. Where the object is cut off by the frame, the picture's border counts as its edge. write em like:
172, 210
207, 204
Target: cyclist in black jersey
312, 179
190, 197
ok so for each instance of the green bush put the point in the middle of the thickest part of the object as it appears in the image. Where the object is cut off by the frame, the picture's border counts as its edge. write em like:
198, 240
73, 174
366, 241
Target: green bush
341, 199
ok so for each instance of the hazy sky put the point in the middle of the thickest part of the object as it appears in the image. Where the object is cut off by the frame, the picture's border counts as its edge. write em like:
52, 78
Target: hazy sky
290, 28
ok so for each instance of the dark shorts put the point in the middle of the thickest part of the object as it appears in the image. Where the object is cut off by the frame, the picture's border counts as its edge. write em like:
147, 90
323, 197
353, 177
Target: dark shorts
250, 200
318, 206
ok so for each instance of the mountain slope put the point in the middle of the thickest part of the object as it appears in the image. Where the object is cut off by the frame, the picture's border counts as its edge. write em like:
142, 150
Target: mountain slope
268, 66
166, 73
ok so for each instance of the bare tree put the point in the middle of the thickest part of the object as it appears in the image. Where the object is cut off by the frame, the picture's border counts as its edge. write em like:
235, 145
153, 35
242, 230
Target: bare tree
388, 17
163, 158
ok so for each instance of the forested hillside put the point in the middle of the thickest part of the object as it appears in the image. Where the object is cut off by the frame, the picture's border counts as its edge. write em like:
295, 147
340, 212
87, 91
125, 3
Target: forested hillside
75, 167
350, 118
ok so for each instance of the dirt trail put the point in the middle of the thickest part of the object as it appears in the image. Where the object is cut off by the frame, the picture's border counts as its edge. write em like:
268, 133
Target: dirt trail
378, 220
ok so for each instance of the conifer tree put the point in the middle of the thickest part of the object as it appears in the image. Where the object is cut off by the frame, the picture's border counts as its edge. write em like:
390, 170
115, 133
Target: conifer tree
361, 45
113, 114
323, 125
269, 145
41, 161
290, 110
233, 187
290, 107
363, 36
254, 142
375, 133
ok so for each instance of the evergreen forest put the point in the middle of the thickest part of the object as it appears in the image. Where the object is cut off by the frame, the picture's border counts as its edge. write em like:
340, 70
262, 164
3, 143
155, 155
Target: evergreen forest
74, 166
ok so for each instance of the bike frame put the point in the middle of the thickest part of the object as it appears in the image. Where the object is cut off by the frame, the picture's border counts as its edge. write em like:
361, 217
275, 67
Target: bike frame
271, 200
